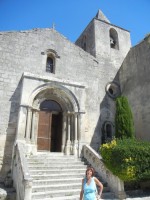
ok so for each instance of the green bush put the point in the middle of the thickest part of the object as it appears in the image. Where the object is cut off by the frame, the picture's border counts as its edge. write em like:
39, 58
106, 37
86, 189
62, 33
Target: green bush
127, 158
123, 119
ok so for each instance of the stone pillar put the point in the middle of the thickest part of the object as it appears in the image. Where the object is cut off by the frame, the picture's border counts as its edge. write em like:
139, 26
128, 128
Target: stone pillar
75, 127
28, 190
75, 145
79, 134
69, 128
64, 132
67, 150
21, 126
28, 126
32, 136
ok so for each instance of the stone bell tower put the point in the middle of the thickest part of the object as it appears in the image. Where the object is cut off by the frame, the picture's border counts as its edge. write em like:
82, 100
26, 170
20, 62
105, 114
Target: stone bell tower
104, 40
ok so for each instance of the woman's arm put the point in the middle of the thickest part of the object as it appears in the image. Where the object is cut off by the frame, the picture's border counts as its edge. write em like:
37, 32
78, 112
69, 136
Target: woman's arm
100, 186
81, 193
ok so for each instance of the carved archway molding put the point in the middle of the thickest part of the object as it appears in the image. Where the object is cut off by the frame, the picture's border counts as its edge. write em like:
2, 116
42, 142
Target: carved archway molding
56, 92
70, 116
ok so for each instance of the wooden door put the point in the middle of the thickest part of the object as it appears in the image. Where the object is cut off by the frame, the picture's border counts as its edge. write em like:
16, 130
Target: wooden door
44, 131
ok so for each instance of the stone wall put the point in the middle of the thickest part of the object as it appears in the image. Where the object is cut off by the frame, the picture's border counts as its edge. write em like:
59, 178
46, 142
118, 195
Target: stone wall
135, 84
24, 51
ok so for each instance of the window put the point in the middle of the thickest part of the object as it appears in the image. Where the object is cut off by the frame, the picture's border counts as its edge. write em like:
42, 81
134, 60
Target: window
50, 105
50, 64
107, 131
51, 57
114, 44
113, 89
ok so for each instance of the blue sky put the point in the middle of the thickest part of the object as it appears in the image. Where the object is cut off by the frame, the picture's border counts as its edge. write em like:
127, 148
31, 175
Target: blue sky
72, 16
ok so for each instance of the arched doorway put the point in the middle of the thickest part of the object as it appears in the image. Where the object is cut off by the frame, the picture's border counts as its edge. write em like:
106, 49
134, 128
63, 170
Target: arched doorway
55, 120
49, 127
107, 131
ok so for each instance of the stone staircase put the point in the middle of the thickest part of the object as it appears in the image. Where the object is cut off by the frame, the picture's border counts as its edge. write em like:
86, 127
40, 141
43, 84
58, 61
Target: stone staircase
58, 177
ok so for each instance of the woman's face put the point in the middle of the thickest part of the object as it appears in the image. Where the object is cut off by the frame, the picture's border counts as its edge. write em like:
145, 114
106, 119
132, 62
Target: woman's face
89, 174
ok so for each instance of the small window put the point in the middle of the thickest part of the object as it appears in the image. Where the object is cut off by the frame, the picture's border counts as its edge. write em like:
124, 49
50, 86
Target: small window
50, 105
50, 65
107, 131
113, 89
114, 43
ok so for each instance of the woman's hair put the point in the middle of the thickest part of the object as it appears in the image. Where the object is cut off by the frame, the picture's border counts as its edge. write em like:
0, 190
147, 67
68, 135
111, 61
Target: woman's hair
90, 169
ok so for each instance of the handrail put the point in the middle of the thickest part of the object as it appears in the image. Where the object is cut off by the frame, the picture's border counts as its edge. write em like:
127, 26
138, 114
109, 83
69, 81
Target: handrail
115, 184
21, 176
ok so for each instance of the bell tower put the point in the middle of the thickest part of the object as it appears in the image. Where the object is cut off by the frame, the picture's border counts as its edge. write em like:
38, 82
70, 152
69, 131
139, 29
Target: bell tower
104, 40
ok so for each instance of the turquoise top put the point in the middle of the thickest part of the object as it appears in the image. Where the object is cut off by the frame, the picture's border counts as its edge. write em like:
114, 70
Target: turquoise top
89, 190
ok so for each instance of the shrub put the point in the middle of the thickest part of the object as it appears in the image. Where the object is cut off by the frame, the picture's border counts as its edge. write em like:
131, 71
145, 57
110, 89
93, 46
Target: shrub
123, 119
127, 158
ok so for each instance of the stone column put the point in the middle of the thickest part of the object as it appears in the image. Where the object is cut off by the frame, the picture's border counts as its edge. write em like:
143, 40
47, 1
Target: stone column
75, 145
67, 151
32, 136
64, 132
28, 126
21, 126
27, 190
79, 134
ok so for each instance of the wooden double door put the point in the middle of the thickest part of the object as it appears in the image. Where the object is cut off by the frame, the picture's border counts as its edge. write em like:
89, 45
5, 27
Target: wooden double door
49, 131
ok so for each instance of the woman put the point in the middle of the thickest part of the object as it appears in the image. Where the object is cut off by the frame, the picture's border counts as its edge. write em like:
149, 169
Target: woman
88, 190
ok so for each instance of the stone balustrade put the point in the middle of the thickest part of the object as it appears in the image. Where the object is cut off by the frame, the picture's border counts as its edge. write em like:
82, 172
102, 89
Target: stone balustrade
21, 176
116, 185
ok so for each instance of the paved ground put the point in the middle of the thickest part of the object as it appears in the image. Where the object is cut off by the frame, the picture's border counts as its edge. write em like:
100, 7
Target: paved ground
139, 198
139, 195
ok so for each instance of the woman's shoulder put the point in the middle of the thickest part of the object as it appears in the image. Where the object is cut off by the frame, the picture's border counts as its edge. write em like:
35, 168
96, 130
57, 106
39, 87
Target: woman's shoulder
94, 177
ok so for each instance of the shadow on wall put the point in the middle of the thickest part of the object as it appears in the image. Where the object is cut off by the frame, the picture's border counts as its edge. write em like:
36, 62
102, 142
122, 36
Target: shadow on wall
5, 173
105, 127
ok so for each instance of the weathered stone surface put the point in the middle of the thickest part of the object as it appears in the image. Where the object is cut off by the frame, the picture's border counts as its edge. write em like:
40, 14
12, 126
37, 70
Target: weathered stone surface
77, 84
7, 193
3, 194
135, 84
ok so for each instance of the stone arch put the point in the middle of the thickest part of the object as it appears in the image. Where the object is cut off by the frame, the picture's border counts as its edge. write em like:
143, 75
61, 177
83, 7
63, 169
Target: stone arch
107, 131
67, 119
56, 92
114, 41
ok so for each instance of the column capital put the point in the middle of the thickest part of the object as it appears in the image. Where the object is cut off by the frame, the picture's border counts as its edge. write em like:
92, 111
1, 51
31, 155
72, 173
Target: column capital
74, 113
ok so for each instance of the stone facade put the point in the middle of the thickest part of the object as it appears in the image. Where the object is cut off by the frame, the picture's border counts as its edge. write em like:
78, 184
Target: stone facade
83, 82
135, 84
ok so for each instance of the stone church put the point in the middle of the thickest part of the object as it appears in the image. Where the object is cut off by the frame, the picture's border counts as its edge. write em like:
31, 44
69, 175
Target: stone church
57, 96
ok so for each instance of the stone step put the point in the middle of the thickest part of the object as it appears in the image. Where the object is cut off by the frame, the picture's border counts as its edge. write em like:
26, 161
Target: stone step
59, 181
56, 176
56, 181
52, 154
64, 194
52, 161
57, 187
56, 161
57, 171
52, 157
57, 167
62, 164
108, 196
53, 194
72, 197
